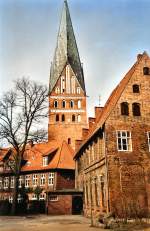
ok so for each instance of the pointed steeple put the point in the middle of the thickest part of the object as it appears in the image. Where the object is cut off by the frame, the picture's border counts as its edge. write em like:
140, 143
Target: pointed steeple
66, 51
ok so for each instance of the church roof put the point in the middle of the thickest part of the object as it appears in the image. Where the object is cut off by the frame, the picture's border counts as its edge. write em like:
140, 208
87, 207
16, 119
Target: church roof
66, 51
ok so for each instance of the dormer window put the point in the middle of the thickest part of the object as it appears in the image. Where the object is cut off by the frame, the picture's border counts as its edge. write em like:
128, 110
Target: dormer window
124, 109
45, 161
136, 88
146, 71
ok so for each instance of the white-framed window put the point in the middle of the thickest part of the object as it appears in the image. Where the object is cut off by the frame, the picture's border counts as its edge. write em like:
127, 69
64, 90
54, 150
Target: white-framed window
78, 90
124, 142
79, 103
6, 182
10, 199
42, 179
53, 198
34, 197
51, 178
12, 181
148, 136
20, 181
27, 181
42, 197
45, 160
35, 180
19, 199
1, 182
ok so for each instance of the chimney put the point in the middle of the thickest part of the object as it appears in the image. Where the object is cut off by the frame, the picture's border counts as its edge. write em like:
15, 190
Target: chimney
91, 122
85, 132
98, 111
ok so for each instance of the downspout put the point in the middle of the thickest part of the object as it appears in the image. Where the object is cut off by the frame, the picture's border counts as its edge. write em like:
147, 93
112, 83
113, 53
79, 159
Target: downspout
106, 169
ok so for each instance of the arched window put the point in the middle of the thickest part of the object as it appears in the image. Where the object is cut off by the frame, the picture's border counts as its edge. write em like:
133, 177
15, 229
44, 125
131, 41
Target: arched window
136, 88
73, 118
63, 103
55, 104
71, 103
69, 140
79, 118
79, 103
63, 118
124, 108
136, 109
57, 90
57, 118
78, 90
146, 71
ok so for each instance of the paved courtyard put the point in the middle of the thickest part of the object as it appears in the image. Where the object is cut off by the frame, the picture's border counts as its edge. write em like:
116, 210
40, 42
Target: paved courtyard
54, 223
45, 223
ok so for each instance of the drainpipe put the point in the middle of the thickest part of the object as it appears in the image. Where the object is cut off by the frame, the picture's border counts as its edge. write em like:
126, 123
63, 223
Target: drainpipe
107, 175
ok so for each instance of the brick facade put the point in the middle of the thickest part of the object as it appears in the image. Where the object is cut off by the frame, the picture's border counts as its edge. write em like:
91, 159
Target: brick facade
122, 173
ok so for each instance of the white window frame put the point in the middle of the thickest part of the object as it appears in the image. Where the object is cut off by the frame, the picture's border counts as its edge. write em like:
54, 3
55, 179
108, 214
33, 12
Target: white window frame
20, 181
10, 199
78, 90
12, 181
79, 104
45, 161
42, 197
1, 182
79, 118
6, 182
27, 181
148, 137
125, 141
53, 198
51, 176
19, 199
57, 90
35, 180
34, 197
42, 179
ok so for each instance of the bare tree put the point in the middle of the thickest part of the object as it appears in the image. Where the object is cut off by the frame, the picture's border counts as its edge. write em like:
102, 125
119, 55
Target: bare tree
21, 111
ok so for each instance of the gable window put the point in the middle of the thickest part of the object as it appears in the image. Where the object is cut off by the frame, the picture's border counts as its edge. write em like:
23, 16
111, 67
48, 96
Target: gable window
1, 182
73, 118
35, 180
146, 71
6, 182
51, 179
27, 181
57, 90
63, 103
57, 118
136, 109
124, 142
136, 88
12, 182
73, 83
62, 84
78, 90
42, 179
124, 109
148, 135
63, 118
71, 103
45, 160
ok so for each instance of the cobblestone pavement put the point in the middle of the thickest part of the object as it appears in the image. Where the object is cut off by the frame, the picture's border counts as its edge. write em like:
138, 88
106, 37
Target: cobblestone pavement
46, 223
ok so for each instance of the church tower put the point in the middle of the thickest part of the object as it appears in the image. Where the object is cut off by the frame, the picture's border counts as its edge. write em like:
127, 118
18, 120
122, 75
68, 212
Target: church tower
67, 94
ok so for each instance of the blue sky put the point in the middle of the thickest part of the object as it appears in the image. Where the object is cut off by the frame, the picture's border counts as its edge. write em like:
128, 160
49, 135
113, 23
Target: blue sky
109, 34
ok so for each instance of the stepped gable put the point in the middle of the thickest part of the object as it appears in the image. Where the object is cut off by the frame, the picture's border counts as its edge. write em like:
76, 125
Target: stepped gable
66, 52
113, 99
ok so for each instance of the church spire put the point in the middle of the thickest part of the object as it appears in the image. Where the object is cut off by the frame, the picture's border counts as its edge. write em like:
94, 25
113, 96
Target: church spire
66, 51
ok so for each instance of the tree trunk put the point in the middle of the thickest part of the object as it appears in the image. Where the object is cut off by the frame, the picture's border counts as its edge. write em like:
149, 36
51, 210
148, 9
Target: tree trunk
15, 195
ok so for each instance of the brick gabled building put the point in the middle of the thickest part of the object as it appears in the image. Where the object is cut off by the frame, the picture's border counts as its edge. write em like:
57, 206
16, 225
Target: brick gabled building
113, 160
